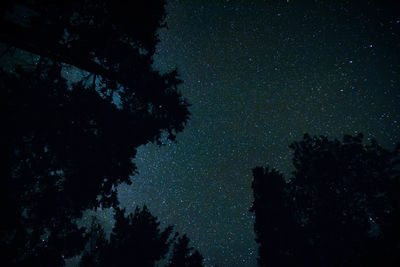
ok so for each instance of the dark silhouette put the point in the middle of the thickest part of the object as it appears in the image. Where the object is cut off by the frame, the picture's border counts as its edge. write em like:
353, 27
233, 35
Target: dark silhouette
68, 145
182, 255
96, 250
136, 240
114, 42
341, 207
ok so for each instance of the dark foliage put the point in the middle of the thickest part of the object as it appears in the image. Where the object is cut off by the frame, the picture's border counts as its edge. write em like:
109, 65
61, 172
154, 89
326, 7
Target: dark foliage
340, 208
183, 256
136, 240
97, 246
113, 41
67, 146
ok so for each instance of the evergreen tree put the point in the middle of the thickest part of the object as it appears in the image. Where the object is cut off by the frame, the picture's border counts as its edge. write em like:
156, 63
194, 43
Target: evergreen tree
97, 246
136, 240
182, 255
340, 208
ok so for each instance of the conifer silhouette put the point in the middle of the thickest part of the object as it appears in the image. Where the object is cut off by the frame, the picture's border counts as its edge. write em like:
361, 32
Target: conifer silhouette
136, 240
184, 256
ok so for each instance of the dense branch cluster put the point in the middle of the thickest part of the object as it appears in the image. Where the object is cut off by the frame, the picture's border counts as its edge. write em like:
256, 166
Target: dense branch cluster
341, 207
69, 144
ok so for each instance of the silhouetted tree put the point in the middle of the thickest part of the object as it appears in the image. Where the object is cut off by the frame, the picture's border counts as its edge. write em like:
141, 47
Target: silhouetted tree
68, 145
136, 240
274, 221
97, 246
182, 255
340, 208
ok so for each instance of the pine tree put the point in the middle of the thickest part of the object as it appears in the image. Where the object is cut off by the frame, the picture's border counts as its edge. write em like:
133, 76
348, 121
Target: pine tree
183, 255
136, 240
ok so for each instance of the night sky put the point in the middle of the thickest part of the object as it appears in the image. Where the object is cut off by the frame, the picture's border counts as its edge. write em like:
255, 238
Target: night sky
260, 74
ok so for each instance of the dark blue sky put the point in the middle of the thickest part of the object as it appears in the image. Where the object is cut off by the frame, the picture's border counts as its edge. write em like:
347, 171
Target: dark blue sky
259, 74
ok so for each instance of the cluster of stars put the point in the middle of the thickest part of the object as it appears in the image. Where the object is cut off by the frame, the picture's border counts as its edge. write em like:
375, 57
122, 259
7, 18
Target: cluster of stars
259, 75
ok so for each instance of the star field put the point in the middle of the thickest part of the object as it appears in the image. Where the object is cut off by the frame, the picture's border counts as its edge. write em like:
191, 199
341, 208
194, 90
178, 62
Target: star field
260, 74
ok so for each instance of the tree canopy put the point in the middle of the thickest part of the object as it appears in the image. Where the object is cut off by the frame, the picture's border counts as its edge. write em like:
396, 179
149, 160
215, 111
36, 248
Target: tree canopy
341, 207
68, 144
183, 255
136, 240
